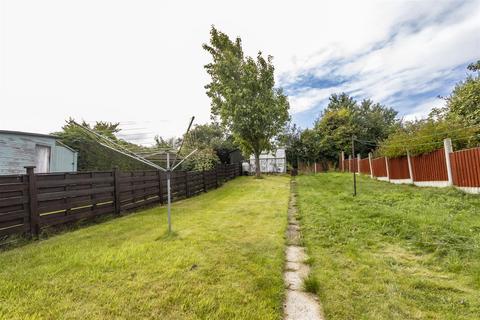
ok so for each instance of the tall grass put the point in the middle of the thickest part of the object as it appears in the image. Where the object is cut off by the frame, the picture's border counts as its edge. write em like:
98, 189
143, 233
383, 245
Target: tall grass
392, 252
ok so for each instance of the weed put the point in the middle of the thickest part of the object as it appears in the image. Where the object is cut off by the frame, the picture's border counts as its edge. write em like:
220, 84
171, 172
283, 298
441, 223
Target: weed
311, 284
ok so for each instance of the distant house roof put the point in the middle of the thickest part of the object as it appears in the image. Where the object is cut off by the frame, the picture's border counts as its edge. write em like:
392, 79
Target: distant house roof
29, 134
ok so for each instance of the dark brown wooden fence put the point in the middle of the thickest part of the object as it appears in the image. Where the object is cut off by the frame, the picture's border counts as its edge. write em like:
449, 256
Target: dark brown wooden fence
31, 202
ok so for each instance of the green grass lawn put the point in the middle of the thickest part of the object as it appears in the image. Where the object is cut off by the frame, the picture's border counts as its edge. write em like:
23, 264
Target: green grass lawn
393, 252
225, 261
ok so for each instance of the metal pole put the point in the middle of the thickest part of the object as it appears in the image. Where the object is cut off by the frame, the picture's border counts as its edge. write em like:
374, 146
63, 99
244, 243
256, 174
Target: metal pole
353, 162
168, 193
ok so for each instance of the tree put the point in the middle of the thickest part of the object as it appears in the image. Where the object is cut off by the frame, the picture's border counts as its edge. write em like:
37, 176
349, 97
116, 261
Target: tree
243, 95
464, 101
343, 118
92, 155
214, 136
474, 66
341, 101
427, 135
290, 138
335, 128
166, 143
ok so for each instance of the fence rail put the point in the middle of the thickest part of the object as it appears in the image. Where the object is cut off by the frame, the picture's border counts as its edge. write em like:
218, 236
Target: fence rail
31, 202
440, 168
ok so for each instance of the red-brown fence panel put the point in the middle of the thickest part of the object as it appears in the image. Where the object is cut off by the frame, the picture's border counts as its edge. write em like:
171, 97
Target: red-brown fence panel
365, 166
379, 167
466, 167
351, 165
430, 167
398, 168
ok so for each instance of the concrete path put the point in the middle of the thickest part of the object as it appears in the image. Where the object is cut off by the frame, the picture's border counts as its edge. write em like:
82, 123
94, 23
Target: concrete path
298, 303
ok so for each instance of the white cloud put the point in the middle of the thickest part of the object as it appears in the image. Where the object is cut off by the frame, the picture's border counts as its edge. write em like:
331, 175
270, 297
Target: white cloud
142, 61
422, 110
417, 60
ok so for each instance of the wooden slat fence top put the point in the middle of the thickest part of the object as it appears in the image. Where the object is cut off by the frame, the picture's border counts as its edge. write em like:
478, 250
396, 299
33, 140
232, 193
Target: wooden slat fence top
31, 202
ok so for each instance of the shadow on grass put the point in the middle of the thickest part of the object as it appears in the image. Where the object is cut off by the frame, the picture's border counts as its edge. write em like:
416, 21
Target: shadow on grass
168, 236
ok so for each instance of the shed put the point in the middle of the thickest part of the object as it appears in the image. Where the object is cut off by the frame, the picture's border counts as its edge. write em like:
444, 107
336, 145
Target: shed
235, 156
45, 152
270, 162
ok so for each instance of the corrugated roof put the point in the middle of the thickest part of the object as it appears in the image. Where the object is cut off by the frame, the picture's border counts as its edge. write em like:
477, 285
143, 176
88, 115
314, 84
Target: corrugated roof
29, 134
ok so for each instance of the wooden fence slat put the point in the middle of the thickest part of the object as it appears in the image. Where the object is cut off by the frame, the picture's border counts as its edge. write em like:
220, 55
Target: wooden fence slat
33, 205
31, 202
73, 193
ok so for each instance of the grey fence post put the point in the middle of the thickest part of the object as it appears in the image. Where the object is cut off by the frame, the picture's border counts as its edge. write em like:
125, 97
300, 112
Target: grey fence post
370, 164
342, 155
350, 163
447, 143
388, 169
410, 168
358, 162
34, 217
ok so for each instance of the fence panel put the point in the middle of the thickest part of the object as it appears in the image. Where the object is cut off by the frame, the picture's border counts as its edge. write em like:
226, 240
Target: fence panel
430, 167
365, 166
14, 216
398, 168
379, 167
466, 167
68, 197
352, 165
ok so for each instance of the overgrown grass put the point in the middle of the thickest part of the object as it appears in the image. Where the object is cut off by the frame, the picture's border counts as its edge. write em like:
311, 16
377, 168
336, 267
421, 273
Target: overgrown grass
224, 261
392, 252
311, 284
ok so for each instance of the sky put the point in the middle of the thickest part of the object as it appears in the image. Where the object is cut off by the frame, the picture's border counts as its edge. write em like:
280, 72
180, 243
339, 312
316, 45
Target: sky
140, 63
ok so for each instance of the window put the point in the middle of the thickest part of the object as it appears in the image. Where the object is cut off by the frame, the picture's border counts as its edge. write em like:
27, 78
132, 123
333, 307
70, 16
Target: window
42, 159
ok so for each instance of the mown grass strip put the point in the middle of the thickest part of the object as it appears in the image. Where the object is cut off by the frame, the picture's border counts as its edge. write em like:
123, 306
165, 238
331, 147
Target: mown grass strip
224, 261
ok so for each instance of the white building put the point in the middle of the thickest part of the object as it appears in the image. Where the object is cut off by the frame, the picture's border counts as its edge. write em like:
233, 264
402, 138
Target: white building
269, 162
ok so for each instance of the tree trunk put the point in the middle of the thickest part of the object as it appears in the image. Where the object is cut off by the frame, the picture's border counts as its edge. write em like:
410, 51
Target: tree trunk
257, 165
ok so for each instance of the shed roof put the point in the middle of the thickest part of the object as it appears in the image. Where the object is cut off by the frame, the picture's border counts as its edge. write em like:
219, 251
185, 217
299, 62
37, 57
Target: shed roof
29, 134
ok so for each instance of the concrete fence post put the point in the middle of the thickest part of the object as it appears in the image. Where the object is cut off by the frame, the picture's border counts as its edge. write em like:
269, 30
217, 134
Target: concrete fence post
350, 163
342, 155
447, 143
388, 169
410, 168
370, 164
358, 163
